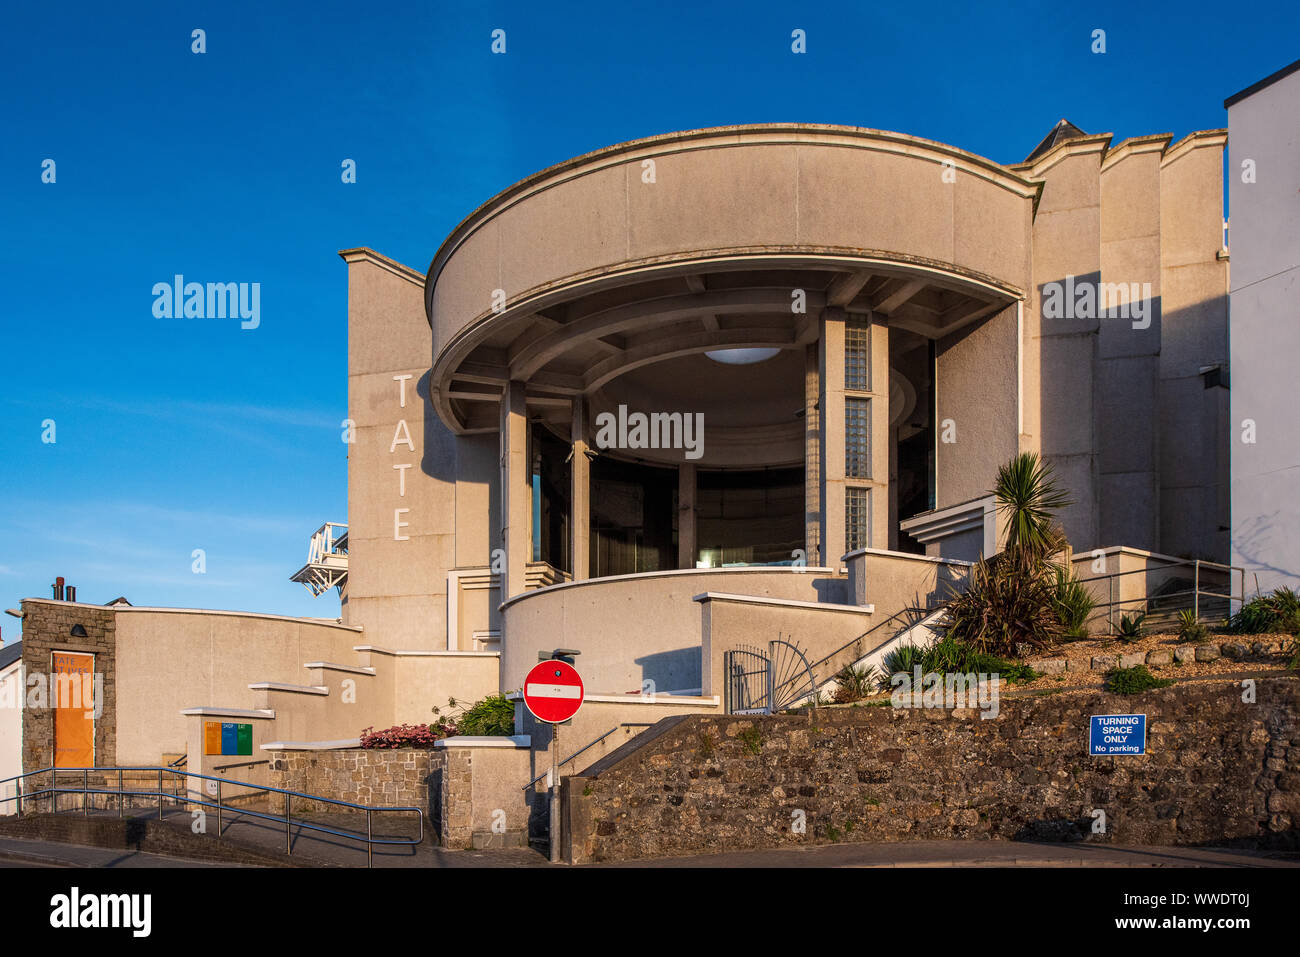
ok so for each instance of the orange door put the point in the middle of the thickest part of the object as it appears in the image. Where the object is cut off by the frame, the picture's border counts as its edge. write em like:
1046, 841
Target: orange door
73, 692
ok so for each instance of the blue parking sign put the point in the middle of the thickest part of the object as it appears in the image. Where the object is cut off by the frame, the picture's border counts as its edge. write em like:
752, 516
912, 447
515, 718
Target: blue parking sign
1110, 734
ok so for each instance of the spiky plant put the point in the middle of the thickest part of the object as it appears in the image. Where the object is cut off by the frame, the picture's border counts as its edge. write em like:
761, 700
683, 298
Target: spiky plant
1073, 604
1028, 497
1006, 607
1130, 627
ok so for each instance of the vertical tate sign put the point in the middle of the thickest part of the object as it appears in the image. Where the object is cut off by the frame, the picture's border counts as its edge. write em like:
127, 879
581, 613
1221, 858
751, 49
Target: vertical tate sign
1114, 734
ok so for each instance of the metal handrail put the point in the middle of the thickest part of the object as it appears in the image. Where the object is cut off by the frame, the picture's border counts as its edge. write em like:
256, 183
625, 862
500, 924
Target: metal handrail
586, 747
924, 613
85, 791
1168, 564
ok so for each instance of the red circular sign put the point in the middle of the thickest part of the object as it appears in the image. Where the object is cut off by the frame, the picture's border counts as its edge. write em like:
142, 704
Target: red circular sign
553, 691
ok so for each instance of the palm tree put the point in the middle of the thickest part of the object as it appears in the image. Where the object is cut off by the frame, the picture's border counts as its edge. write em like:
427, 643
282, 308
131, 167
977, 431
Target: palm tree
1027, 495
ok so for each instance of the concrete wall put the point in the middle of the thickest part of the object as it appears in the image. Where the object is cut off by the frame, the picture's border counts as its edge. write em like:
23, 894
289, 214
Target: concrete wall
172, 659
1265, 334
637, 628
1194, 489
818, 631
733, 188
403, 457
895, 581
478, 786
977, 406
1115, 402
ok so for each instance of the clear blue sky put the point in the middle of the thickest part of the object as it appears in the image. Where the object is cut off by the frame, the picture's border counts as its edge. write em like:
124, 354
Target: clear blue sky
174, 434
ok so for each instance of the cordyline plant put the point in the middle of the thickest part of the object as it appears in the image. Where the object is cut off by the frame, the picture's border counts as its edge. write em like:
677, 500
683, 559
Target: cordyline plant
1021, 599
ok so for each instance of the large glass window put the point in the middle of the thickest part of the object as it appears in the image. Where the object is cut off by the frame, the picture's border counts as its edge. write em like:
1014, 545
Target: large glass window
748, 517
857, 518
857, 353
857, 438
633, 518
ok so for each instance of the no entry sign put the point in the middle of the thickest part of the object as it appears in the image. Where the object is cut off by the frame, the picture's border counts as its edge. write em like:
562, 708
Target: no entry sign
553, 691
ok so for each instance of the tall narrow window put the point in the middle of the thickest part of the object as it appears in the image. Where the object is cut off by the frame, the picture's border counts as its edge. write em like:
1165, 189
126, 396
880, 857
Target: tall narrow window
857, 518
857, 353
857, 438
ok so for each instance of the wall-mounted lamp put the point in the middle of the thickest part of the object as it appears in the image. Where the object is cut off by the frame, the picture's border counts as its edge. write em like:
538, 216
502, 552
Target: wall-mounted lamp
79, 632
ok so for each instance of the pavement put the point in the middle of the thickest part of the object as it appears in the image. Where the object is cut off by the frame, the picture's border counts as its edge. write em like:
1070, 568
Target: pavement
315, 849
979, 854
21, 852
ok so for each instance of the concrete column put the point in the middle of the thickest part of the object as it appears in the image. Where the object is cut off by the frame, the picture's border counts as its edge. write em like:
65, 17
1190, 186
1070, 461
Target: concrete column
883, 531
831, 368
516, 490
580, 494
812, 463
686, 540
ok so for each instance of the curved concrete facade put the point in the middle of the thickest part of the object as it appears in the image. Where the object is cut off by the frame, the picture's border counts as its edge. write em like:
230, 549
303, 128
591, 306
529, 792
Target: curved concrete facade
637, 628
792, 197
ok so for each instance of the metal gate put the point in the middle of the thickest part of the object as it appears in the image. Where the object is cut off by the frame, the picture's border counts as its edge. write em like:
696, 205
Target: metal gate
755, 681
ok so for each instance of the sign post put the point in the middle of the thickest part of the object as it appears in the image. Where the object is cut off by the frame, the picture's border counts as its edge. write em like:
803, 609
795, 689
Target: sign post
553, 693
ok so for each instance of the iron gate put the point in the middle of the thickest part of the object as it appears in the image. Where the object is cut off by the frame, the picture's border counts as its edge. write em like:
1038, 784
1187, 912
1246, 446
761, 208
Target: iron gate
766, 682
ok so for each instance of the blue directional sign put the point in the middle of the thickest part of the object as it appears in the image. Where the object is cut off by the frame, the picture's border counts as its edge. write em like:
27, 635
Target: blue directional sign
1110, 734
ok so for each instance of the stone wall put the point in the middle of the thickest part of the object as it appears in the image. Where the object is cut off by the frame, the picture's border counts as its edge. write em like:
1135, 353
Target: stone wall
47, 627
378, 777
1217, 770
478, 795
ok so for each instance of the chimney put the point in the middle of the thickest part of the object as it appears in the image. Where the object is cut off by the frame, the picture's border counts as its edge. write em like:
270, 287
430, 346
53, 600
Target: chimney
71, 593
58, 588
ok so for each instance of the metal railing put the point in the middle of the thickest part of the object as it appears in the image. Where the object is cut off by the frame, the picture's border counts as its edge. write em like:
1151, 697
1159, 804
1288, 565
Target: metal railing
587, 747
188, 798
1149, 602
914, 616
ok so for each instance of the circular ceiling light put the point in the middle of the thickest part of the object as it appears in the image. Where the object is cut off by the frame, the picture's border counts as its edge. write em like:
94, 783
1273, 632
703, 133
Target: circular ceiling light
741, 357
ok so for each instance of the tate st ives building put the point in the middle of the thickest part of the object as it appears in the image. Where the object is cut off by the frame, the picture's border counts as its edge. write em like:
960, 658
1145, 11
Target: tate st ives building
693, 392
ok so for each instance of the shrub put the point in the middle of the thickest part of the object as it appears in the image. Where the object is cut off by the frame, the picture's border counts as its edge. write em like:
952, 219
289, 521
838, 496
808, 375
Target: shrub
1018, 600
854, 683
1008, 602
902, 659
1130, 627
952, 656
1190, 628
494, 715
1279, 611
1133, 680
400, 736
1073, 604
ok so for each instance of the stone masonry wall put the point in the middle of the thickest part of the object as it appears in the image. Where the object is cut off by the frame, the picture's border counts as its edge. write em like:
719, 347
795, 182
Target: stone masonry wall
378, 777
453, 776
47, 627
1217, 770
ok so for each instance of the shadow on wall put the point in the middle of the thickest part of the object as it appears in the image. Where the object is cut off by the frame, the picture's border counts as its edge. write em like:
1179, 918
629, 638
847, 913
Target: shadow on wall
438, 458
1136, 438
1257, 538
834, 591
668, 671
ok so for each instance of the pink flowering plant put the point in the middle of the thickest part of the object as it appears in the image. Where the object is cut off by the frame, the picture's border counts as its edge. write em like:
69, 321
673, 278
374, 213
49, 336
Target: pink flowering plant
402, 736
